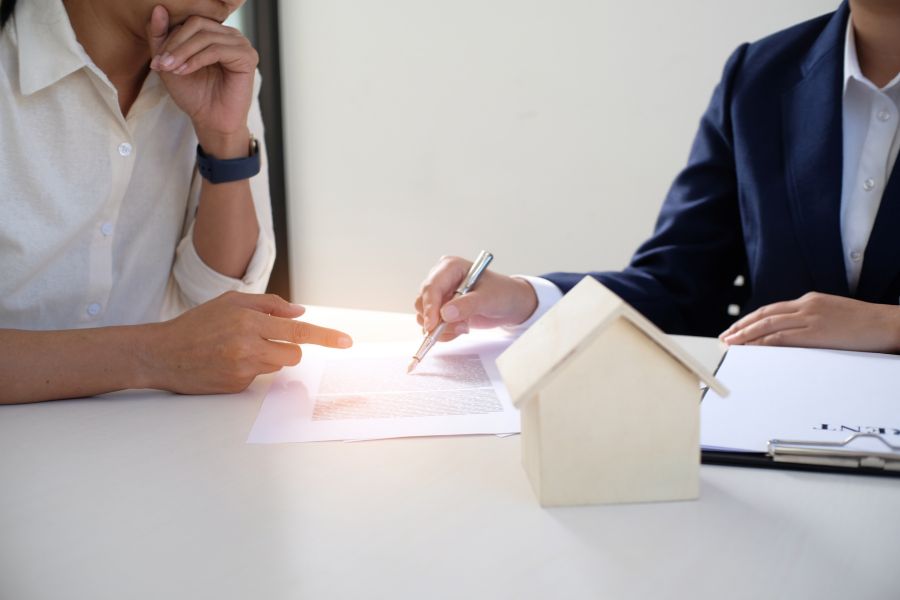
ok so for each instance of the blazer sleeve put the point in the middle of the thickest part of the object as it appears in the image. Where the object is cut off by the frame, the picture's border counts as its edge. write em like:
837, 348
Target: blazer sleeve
682, 278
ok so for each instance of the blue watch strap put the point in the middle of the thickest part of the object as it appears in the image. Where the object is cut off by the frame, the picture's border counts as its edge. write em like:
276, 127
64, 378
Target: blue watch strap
216, 170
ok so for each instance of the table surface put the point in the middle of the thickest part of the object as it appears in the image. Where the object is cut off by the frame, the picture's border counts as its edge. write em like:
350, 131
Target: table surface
147, 495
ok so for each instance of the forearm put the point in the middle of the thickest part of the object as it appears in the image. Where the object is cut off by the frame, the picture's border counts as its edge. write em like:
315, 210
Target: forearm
226, 228
52, 365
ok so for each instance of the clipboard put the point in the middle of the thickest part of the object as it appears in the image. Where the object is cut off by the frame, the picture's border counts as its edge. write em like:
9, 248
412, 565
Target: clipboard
880, 457
818, 456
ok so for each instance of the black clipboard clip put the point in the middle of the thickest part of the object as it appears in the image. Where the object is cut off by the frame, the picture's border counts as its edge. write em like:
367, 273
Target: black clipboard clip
835, 454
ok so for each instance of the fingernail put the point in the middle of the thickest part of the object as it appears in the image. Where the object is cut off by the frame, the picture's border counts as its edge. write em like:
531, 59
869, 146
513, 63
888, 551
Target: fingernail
154, 64
462, 328
344, 342
180, 69
450, 313
167, 60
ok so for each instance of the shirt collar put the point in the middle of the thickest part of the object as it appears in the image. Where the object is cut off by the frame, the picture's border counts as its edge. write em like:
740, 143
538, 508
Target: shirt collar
851, 63
851, 60
48, 49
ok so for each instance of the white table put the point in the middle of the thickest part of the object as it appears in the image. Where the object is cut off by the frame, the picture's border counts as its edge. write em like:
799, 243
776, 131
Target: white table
146, 495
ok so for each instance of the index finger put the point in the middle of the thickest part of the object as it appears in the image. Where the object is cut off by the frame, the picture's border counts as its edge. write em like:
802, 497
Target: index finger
298, 332
769, 310
191, 27
439, 287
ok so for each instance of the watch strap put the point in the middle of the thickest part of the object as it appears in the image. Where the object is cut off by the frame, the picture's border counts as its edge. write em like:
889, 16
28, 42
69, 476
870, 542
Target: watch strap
216, 170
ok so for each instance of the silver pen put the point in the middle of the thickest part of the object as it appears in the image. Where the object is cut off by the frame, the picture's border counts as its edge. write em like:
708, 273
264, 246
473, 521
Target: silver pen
481, 263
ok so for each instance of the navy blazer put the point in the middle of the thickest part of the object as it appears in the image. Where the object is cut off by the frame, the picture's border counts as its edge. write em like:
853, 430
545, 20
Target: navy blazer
761, 195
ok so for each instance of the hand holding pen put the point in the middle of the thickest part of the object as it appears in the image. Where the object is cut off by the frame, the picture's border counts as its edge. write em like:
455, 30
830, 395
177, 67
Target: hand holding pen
472, 276
496, 300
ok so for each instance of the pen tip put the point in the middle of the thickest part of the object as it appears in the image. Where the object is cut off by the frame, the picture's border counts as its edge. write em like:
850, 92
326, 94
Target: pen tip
412, 365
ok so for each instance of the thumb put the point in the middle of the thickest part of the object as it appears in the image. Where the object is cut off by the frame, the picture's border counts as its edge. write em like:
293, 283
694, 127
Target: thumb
462, 308
157, 29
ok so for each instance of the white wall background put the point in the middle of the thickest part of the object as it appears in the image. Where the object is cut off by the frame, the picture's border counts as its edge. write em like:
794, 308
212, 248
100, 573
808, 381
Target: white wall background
545, 131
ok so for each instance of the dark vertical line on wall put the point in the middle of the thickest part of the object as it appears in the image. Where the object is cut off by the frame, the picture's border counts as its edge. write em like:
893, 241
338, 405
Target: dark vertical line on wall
262, 22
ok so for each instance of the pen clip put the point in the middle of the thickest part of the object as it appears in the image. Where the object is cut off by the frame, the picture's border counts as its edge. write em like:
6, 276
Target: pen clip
481, 263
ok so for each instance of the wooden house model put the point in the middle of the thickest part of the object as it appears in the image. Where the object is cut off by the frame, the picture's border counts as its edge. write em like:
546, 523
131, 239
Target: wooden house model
610, 405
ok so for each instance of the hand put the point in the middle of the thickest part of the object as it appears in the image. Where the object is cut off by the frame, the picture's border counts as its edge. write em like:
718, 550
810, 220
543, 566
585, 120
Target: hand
820, 321
208, 69
496, 299
222, 345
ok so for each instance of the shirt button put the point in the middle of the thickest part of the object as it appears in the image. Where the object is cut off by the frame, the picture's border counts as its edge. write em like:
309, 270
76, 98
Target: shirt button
106, 228
93, 309
884, 115
856, 255
869, 184
125, 149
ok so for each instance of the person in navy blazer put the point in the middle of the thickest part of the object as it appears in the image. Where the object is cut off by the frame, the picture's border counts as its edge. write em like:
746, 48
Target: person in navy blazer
760, 198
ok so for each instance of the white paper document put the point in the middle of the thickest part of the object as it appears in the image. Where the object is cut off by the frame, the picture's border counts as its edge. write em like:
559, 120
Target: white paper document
802, 394
365, 393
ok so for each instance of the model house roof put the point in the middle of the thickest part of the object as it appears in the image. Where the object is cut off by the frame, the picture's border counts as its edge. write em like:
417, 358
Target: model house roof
568, 328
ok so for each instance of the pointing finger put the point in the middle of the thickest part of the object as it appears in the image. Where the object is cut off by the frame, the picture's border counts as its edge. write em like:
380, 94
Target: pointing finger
298, 332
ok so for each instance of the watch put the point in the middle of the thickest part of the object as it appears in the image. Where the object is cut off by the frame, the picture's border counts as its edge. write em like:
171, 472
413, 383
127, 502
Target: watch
217, 170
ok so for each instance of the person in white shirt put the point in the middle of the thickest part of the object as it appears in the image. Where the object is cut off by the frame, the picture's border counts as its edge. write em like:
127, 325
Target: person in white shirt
123, 264
791, 188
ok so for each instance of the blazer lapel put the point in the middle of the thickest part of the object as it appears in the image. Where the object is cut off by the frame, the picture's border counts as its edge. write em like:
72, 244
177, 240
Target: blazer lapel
813, 138
881, 263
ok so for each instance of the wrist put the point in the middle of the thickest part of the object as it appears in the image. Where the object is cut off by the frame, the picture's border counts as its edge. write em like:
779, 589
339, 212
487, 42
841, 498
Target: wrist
225, 146
146, 341
527, 301
895, 329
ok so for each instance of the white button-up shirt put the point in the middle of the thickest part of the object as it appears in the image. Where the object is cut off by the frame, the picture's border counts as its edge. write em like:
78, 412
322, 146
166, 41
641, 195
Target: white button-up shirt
97, 209
871, 127
871, 142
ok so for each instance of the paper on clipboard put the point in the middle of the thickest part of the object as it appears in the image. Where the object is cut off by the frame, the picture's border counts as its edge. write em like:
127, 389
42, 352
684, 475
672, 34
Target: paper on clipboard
802, 394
